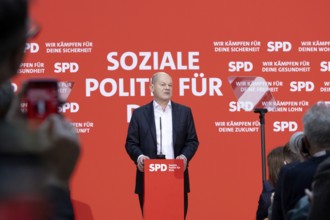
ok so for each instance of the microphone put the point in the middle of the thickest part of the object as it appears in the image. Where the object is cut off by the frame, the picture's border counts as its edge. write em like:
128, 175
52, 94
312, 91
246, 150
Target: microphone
160, 155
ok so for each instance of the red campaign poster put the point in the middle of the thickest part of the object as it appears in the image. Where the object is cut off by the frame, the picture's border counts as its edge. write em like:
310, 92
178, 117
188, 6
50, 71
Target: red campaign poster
104, 53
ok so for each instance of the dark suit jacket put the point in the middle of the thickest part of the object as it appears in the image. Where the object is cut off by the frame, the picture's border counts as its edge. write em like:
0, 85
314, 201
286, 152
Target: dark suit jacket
297, 179
141, 137
277, 212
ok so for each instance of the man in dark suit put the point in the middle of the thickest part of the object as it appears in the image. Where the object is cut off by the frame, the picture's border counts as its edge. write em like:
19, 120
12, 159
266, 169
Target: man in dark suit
179, 139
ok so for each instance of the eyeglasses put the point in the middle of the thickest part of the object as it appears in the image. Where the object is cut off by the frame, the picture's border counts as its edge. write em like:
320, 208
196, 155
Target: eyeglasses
33, 29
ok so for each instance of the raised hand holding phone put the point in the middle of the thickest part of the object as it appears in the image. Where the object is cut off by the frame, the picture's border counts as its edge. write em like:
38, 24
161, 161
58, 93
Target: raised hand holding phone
35, 111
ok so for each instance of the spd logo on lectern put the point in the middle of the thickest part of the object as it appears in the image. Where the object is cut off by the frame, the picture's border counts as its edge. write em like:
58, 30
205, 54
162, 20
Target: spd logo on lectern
154, 167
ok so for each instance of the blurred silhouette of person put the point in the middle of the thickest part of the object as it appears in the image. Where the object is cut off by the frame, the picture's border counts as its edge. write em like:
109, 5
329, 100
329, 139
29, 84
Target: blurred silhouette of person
32, 161
36, 168
23, 174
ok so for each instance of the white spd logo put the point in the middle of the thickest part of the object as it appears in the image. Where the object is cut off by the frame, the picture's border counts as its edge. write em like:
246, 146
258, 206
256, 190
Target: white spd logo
157, 167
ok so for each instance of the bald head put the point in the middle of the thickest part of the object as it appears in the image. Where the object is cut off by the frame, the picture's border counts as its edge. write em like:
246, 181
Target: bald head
157, 75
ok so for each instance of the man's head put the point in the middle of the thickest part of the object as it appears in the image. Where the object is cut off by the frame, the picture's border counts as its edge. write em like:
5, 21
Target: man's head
161, 87
317, 127
290, 155
297, 145
13, 25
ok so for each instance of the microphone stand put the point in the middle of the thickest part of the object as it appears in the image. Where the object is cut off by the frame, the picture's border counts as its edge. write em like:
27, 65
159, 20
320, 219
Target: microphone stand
262, 112
161, 155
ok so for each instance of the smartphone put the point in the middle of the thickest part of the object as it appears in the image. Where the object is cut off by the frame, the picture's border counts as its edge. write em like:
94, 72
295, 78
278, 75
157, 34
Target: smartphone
41, 98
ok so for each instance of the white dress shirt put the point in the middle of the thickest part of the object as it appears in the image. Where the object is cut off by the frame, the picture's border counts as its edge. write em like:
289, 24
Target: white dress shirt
165, 131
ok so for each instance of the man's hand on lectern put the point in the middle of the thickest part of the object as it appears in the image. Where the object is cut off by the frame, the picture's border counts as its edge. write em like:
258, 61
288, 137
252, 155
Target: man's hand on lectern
140, 162
183, 157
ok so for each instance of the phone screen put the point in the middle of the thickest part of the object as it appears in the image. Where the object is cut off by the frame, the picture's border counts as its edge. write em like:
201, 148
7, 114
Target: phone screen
41, 97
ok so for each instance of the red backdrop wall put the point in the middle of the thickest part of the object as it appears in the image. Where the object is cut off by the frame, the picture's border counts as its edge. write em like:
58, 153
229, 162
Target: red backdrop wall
99, 50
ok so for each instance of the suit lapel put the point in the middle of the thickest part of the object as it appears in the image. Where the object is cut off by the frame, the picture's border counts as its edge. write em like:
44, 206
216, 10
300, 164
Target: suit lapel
175, 120
149, 114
